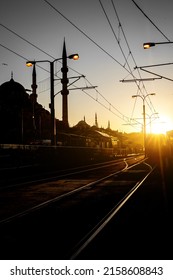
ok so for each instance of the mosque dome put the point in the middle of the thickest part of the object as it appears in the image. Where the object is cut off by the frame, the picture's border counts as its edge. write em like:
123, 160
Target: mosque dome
12, 85
13, 93
22, 121
82, 125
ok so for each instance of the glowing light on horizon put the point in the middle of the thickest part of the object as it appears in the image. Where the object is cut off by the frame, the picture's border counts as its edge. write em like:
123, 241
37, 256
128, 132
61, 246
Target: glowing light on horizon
161, 127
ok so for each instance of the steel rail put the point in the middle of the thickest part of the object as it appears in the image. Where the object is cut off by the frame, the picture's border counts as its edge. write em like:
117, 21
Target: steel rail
62, 196
89, 237
78, 171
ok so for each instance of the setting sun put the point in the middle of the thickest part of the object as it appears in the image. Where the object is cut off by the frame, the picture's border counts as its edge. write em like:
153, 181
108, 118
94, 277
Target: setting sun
161, 125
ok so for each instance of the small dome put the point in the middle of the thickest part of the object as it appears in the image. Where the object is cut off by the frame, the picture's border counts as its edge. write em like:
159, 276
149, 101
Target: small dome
13, 92
12, 85
82, 124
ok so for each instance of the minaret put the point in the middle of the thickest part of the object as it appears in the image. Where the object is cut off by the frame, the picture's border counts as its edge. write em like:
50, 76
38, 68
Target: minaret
96, 122
109, 126
33, 96
11, 75
64, 91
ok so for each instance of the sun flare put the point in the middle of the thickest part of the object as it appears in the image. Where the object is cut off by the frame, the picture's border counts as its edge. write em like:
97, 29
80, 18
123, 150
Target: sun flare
161, 125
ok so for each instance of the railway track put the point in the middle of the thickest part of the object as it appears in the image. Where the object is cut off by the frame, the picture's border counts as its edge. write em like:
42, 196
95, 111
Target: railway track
23, 197
62, 226
30, 174
80, 247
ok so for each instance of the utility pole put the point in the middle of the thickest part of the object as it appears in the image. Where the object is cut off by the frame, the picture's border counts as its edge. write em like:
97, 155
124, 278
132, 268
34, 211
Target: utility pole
33, 96
52, 104
144, 117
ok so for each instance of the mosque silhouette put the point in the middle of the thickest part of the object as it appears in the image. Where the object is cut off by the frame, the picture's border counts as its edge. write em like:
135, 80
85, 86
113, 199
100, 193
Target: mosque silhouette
22, 119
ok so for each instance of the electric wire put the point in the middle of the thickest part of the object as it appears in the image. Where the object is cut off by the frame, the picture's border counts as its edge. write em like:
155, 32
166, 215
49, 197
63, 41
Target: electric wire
130, 53
130, 71
13, 52
122, 116
54, 8
22, 38
120, 26
117, 38
81, 31
108, 101
160, 76
118, 41
19, 55
158, 29
150, 20
33, 45
19, 36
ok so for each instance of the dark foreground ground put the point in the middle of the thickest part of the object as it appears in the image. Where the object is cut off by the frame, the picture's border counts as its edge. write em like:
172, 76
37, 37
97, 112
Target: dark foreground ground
143, 228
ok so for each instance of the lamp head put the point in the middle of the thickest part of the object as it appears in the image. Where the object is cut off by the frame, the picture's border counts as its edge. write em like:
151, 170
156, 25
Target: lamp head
29, 63
74, 56
148, 45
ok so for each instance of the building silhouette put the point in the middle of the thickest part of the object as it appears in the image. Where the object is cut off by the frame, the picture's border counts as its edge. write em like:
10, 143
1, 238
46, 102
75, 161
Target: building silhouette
22, 119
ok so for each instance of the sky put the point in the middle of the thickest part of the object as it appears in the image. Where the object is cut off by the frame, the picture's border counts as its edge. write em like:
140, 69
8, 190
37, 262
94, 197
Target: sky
108, 35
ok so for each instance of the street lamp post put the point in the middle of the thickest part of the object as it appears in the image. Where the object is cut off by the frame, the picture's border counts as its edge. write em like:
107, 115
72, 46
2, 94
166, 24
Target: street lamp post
144, 116
52, 106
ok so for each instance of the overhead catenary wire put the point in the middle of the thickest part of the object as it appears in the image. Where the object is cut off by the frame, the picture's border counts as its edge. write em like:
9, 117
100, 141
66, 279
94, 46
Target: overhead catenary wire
21, 56
158, 29
134, 61
98, 93
41, 50
108, 107
117, 39
33, 45
27, 41
161, 32
130, 53
81, 31
110, 104
121, 116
